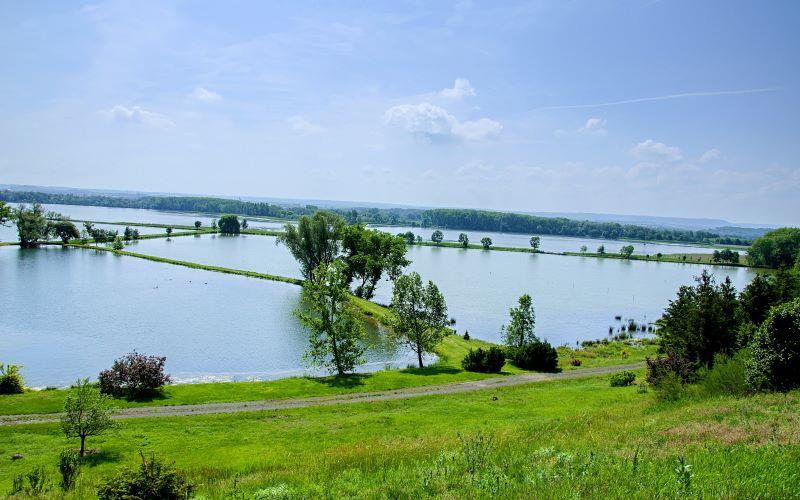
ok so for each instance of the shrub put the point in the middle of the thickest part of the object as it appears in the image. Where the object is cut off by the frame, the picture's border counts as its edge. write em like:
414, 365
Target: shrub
537, 355
575, 362
622, 379
69, 465
670, 387
134, 376
466, 335
727, 376
153, 479
485, 361
775, 350
33, 483
659, 369
10, 380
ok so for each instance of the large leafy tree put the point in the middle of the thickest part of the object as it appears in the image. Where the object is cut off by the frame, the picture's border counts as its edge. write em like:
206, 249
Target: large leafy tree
626, 251
229, 224
336, 330
32, 225
779, 248
463, 239
437, 236
86, 413
775, 350
520, 329
5, 213
535, 242
369, 254
314, 240
420, 314
65, 230
702, 321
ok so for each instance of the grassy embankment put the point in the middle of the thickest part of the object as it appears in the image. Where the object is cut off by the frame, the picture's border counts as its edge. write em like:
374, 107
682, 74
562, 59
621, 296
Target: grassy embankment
560, 439
679, 258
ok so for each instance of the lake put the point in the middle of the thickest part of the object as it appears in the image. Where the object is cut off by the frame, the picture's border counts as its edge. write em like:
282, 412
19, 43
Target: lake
68, 313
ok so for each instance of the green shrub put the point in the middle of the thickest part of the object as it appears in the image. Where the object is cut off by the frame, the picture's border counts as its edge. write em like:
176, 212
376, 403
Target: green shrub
69, 465
775, 350
727, 376
33, 483
671, 364
537, 355
10, 380
670, 387
622, 379
485, 361
151, 481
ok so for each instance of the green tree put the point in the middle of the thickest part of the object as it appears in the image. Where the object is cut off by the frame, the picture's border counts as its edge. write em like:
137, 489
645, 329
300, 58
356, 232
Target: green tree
86, 413
520, 329
213, 224
463, 239
369, 254
535, 242
779, 248
437, 236
601, 250
314, 240
169, 232
774, 362
420, 314
336, 330
118, 243
409, 237
32, 225
626, 251
229, 224
244, 223
65, 230
486, 242
5, 214
584, 249
197, 224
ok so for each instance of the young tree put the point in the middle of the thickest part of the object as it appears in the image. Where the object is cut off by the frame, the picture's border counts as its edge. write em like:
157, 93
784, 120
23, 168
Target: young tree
583, 248
626, 251
86, 413
463, 239
169, 232
127, 235
420, 314
314, 240
65, 230
601, 250
229, 224
419, 239
214, 224
197, 225
244, 223
336, 331
370, 253
535, 242
486, 242
5, 214
520, 329
118, 243
437, 236
32, 225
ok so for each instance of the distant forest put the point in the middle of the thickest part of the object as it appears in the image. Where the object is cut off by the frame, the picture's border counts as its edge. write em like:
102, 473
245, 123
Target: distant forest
478, 220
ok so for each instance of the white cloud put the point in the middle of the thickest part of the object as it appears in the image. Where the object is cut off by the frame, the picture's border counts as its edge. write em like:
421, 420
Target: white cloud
436, 124
300, 124
656, 151
205, 95
461, 89
136, 114
594, 126
710, 155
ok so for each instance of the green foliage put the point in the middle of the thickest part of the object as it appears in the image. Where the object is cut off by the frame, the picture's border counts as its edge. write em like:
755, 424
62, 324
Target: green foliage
601, 250
229, 224
118, 243
622, 379
314, 240
670, 387
626, 251
420, 314
152, 480
437, 236
520, 329
775, 350
10, 380
5, 213
409, 237
702, 321
244, 223
134, 376
368, 254
34, 483
727, 376
584, 248
65, 230
86, 413
130, 234
32, 225
69, 465
490, 360
169, 231
538, 355
535, 242
725, 255
336, 331
778, 248
197, 224
486, 242
664, 367
463, 239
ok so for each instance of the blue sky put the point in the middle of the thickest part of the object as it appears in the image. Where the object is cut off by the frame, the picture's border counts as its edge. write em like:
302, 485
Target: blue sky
673, 108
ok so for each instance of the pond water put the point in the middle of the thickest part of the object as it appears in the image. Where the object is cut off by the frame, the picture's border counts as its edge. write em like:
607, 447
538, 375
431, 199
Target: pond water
68, 313
9, 233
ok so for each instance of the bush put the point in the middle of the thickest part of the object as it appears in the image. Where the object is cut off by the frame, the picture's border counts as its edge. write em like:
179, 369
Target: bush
659, 369
69, 465
34, 483
152, 480
727, 376
485, 361
622, 379
775, 350
10, 380
575, 362
537, 355
134, 376
670, 387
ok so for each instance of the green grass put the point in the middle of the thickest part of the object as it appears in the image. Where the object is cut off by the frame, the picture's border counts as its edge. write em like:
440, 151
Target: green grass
568, 438
690, 258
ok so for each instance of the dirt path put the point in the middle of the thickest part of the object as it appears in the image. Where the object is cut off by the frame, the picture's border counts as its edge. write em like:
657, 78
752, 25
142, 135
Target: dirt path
361, 397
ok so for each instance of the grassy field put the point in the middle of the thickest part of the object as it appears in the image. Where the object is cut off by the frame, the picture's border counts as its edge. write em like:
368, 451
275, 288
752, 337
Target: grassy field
561, 439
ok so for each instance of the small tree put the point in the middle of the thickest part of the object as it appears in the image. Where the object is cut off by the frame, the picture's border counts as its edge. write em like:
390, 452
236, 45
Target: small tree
86, 413
127, 235
32, 225
118, 243
5, 214
214, 224
626, 251
583, 248
420, 314
336, 331
244, 223
601, 250
229, 224
437, 236
535, 242
520, 329
486, 242
197, 225
65, 230
463, 239
169, 232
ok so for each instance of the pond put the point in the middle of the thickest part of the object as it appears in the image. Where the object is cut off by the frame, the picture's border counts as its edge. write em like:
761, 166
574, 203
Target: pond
68, 313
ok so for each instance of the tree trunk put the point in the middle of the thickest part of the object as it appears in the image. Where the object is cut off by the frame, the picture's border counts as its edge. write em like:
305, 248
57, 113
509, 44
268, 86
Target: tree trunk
419, 355
83, 445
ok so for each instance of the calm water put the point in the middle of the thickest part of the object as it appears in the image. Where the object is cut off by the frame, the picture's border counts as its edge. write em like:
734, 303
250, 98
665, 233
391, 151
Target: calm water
9, 233
68, 313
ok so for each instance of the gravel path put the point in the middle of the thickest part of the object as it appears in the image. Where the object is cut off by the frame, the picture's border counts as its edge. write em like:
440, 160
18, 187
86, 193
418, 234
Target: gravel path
360, 397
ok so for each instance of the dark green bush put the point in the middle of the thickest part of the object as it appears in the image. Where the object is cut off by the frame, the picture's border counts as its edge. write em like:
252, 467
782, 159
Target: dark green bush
622, 379
664, 367
727, 376
152, 480
484, 361
775, 350
538, 355
69, 465
10, 380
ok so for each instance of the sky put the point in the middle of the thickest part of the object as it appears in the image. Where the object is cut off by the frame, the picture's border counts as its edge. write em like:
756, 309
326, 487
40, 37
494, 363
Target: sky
649, 107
